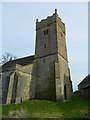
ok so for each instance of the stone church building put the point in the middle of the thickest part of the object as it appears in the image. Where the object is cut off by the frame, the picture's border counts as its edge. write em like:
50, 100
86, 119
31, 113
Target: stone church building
45, 75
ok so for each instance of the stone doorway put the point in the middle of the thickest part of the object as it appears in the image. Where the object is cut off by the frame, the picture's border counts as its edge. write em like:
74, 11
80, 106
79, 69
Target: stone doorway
65, 95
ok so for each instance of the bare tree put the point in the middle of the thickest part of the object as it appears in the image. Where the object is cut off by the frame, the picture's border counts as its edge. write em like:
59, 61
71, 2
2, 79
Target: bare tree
7, 57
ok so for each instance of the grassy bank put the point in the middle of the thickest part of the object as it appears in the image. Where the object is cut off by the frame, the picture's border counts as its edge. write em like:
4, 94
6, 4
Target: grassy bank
75, 108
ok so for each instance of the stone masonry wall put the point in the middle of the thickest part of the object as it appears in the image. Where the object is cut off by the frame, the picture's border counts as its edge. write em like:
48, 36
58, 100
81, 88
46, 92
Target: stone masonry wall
46, 44
54, 82
64, 78
45, 79
16, 84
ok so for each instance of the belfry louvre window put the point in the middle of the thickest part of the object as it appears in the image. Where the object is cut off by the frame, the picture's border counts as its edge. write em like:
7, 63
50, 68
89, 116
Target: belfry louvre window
45, 46
45, 32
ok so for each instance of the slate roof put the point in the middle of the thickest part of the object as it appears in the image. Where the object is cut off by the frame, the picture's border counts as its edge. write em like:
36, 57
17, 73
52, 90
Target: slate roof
85, 82
22, 61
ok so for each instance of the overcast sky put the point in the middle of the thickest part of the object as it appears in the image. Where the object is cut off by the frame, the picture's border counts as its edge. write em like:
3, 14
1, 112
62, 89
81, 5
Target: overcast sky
18, 31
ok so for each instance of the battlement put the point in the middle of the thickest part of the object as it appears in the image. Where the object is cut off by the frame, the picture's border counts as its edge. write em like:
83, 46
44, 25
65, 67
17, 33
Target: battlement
49, 20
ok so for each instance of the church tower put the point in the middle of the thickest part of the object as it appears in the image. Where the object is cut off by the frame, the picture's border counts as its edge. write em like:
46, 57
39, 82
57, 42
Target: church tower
51, 71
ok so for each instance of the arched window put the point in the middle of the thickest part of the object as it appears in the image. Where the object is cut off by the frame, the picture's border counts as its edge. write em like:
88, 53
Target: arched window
5, 92
14, 91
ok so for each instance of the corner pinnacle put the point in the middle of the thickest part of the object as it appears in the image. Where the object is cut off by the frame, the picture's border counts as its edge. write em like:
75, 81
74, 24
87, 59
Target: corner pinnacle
56, 11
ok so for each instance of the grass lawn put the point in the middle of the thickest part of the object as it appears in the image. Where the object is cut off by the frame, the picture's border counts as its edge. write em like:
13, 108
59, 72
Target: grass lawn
76, 108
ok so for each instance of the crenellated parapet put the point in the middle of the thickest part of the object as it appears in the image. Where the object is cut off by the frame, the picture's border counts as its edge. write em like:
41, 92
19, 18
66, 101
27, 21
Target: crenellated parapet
50, 20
